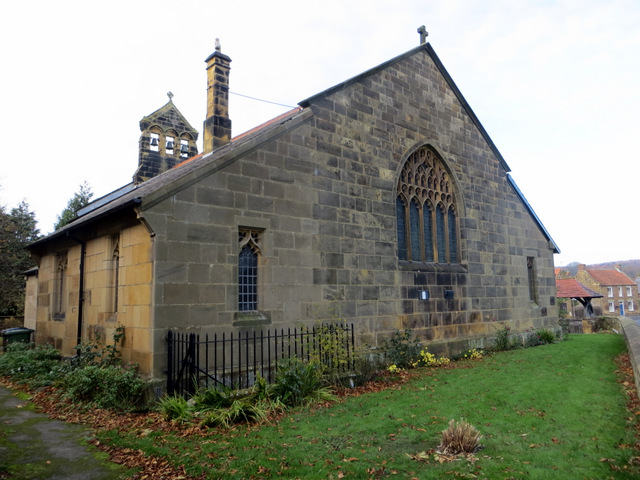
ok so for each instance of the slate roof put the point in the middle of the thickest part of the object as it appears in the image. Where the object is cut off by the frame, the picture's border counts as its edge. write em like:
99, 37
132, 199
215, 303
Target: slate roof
572, 288
610, 277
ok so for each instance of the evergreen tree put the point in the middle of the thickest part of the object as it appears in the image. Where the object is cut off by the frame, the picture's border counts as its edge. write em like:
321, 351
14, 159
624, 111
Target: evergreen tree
79, 200
17, 230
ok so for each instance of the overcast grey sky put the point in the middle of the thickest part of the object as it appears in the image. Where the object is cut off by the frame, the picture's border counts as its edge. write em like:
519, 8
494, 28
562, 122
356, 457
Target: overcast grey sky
555, 84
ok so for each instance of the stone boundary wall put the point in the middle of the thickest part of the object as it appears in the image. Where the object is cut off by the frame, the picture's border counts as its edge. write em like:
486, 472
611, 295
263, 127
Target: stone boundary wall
631, 332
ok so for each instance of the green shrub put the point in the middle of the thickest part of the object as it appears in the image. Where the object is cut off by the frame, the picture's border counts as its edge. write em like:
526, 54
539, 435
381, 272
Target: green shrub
112, 387
546, 335
469, 354
299, 382
331, 353
212, 398
96, 353
605, 324
261, 390
502, 341
564, 325
402, 349
242, 410
33, 366
175, 407
530, 339
428, 359
366, 367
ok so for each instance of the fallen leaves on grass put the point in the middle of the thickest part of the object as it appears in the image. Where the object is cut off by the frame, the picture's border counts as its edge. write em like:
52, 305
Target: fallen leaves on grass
48, 400
437, 457
626, 378
150, 467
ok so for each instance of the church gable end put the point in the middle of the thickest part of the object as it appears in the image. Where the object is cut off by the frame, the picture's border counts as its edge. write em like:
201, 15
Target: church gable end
387, 205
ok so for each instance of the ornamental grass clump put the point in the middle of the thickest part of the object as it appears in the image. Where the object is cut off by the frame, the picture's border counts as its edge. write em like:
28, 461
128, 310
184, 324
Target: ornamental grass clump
176, 408
241, 410
459, 438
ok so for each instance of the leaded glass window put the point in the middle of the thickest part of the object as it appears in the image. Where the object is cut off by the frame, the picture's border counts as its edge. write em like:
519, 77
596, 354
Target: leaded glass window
402, 230
453, 236
428, 232
414, 218
440, 236
248, 270
427, 227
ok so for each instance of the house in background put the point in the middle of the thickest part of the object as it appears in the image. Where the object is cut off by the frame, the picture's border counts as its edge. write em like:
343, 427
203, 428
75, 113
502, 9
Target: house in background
381, 200
619, 292
570, 293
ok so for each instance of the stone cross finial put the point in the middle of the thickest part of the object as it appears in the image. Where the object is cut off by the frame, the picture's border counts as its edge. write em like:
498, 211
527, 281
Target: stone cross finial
423, 35
170, 95
218, 47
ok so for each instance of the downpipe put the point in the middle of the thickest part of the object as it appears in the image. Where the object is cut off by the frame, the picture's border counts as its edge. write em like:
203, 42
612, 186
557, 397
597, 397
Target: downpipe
83, 253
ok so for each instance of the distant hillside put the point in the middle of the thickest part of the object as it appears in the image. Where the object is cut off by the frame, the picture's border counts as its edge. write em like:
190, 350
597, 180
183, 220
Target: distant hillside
630, 267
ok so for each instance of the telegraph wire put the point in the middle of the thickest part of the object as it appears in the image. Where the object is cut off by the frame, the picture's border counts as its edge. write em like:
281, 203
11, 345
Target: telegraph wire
260, 100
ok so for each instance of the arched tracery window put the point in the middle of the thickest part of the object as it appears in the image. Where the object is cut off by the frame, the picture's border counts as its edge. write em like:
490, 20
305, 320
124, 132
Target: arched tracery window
427, 220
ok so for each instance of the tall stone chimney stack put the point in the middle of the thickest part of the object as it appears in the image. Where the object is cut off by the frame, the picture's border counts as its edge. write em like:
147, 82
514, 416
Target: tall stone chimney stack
217, 126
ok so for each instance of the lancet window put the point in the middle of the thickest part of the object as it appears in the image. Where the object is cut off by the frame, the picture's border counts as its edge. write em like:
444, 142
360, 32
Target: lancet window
248, 257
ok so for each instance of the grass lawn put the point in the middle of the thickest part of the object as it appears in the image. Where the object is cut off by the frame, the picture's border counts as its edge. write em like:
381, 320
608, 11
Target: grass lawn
553, 411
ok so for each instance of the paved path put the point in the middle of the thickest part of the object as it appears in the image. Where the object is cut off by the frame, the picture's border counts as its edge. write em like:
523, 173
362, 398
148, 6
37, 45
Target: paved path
34, 446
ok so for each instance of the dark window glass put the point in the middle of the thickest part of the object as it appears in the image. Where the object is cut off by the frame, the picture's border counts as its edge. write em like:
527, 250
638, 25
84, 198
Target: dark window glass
532, 277
428, 233
247, 279
453, 239
402, 230
442, 248
414, 218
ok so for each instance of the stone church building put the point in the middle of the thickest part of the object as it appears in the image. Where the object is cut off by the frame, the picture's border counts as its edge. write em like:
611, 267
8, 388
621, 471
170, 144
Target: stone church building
381, 201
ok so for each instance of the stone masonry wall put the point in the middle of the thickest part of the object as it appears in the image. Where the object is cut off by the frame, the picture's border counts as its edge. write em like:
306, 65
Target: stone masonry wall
100, 317
322, 197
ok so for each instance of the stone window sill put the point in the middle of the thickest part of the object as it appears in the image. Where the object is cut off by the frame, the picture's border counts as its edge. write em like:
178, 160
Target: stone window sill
253, 318
432, 267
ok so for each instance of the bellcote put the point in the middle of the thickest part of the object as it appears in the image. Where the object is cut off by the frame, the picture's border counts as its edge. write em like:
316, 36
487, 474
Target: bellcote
166, 140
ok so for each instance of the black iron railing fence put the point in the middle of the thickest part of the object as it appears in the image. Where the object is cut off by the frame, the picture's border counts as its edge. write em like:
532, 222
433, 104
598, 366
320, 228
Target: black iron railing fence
235, 360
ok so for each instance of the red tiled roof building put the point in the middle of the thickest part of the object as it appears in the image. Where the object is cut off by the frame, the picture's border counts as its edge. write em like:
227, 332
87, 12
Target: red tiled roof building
619, 292
574, 290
